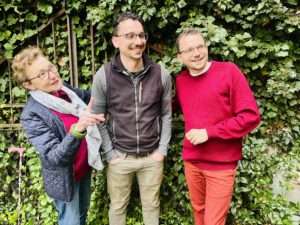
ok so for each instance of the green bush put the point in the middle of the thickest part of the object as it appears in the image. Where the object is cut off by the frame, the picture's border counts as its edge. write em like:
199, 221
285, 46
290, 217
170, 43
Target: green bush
261, 37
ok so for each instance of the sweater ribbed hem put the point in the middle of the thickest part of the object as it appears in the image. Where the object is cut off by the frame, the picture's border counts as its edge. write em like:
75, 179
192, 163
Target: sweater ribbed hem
215, 165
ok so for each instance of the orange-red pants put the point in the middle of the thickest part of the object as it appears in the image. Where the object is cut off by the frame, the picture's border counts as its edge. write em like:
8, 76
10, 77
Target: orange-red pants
210, 193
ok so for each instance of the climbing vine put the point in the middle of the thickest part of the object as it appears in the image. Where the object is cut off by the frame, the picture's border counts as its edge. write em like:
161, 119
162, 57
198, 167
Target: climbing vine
261, 37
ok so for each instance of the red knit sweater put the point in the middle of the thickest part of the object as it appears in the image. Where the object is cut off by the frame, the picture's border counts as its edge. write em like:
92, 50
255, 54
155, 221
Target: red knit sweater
80, 161
220, 101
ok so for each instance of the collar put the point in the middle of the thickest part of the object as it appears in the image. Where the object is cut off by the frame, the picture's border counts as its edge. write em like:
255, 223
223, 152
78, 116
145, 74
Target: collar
203, 71
118, 66
61, 94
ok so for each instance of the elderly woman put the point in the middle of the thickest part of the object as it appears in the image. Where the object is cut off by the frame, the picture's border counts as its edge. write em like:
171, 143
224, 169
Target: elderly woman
60, 124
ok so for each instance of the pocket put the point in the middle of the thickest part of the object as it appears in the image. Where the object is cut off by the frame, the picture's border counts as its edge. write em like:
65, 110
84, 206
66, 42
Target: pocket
114, 131
120, 156
116, 163
111, 129
158, 127
155, 160
59, 184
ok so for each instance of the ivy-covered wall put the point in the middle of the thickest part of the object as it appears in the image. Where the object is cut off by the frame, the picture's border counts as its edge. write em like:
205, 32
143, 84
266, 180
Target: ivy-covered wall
261, 37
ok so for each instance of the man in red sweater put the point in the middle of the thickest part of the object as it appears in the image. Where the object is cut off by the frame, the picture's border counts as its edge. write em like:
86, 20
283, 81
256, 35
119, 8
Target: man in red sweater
219, 109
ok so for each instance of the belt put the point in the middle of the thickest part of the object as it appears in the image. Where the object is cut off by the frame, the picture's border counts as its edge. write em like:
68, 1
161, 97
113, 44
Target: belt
139, 155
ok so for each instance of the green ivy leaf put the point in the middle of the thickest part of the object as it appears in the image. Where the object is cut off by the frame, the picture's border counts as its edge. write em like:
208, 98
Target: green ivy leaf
7, 6
292, 2
18, 92
7, 34
3, 84
181, 178
293, 102
29, 32
9, 50
271, 114
245, 189
31, 17
229, 18
282, 53
44, 7
11, 19
181, 4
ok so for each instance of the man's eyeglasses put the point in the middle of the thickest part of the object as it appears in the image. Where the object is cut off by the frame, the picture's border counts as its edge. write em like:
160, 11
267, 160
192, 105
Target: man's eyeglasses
45, 74
133, 36
190, 51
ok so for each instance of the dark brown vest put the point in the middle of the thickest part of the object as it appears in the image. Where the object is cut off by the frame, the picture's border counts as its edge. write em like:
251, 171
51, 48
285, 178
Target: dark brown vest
134, 109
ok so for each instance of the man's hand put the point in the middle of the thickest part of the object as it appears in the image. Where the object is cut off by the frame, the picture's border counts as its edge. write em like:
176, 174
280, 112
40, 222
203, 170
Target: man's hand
197, 136
157, 156
88, 118
115, 160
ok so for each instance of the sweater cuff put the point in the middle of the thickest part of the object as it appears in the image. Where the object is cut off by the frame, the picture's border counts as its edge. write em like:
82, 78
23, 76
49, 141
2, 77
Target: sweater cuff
212, 132
75, 133
162, 149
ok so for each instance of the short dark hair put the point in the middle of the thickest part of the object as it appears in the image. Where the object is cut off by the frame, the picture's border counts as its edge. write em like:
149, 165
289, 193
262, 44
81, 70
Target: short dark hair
190, 31
122, 17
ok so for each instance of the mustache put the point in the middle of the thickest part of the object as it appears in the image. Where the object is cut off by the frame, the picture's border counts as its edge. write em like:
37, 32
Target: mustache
133, 46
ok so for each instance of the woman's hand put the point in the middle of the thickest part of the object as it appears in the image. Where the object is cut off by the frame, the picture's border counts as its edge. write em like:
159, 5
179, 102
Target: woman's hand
88, 118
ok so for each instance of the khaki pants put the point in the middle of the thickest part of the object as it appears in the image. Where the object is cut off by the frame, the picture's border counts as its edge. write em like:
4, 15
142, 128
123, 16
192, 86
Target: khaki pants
149, 174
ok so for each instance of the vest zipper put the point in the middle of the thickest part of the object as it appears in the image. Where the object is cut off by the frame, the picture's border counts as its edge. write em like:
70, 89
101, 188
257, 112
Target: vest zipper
140, 92
135, 81
114, 139
136, 100
158, 127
